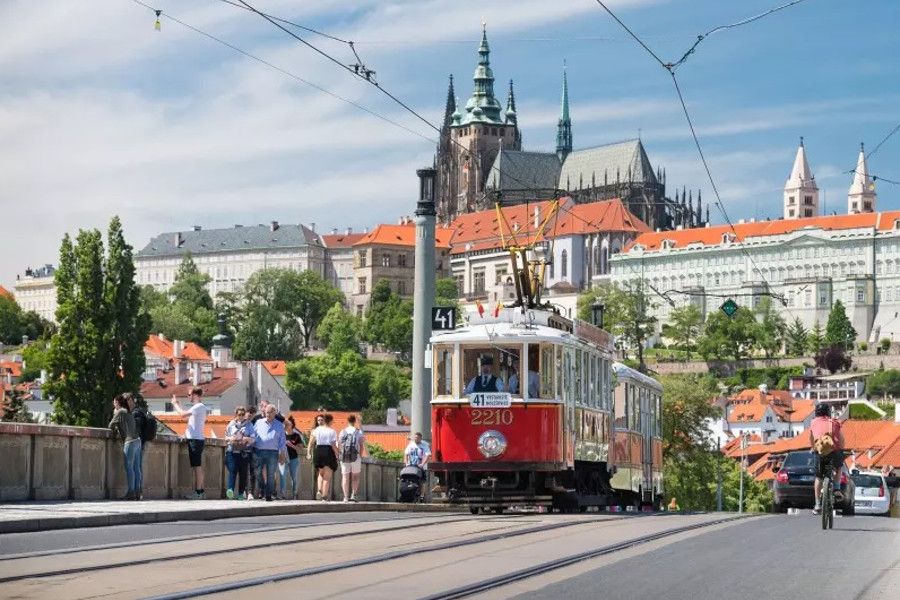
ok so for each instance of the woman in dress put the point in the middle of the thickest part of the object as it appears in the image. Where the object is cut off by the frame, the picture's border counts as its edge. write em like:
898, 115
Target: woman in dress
322, 450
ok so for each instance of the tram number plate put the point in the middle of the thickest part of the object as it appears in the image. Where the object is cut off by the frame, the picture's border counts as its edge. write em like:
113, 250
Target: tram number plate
490, 400
492, 417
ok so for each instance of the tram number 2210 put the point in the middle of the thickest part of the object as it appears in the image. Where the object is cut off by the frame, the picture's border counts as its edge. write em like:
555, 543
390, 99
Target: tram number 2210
482, 416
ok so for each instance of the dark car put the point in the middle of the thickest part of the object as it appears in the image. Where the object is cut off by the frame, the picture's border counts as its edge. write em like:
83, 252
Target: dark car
794, 484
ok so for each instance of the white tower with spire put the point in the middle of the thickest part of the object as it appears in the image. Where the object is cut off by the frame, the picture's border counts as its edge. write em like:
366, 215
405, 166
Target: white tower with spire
861, 195
801, 195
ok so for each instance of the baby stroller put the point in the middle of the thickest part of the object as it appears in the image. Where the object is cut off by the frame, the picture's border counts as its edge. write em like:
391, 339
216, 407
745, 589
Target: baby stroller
411, 481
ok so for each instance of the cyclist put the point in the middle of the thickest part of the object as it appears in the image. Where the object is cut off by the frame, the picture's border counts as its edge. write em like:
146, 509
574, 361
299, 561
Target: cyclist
827, 441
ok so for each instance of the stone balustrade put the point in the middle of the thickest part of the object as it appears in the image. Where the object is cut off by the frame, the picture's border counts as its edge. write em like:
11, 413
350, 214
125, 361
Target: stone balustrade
51, 462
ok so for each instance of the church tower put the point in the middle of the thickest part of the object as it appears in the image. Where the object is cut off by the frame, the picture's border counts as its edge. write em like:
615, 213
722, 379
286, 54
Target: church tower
564, 126
471, 139
861, 195
801, 195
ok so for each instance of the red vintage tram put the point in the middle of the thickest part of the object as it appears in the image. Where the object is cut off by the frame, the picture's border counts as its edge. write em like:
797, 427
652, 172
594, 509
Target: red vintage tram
545, 442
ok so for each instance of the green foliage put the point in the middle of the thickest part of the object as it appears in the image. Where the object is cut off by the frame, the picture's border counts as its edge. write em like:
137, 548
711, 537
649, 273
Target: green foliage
863, 412
627, 314
770, 329
839, 331
268, 329
685, 326
340, 331
445, 292
390, 384
16, 323
35, 357
186, 312
378, 452
884, 384
686, 407
727, 337
99, 351
863, 346
816, 339
796, 338
16, 410
338, 382
776, 378
389, 320
885, 345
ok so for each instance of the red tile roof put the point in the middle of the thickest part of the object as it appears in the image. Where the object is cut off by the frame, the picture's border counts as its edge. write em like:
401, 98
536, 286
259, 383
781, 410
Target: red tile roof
402, 235
712, 236
5, 293
164, 348
164, 386
214, 427
889, 457
391, 441
482, 230
276, 368
8, 366
341, 240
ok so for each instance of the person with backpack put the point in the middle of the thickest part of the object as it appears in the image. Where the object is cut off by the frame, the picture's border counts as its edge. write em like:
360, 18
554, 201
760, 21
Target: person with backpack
352, 448
240, 435
122, 426
827, 442
146, 426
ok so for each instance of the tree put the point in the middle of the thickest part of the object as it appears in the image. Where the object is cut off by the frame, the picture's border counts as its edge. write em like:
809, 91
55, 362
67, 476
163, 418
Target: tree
833, 358
816, 339
839, 331
35, 359
884, 384
339, 331
627, 313
15, 409
268, 330
727, 337
770, 330
339, 382
389, 385
10, 321
445, 292
796, 338
98, 351
307, 297
389, 320
685, 326
191, 298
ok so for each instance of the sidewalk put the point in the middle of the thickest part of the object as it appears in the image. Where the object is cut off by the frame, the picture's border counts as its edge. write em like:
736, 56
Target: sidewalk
42, 516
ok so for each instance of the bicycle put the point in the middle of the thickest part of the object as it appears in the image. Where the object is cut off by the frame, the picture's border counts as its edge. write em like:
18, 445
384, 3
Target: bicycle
827, 501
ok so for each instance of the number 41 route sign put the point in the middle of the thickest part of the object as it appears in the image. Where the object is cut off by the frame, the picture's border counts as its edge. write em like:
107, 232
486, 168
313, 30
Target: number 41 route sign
443, 318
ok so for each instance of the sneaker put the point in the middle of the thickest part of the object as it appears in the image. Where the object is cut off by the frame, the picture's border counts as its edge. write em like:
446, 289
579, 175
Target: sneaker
346, 500
241, 496
319, 496
817, 510
129, 495
353, 498
229, 493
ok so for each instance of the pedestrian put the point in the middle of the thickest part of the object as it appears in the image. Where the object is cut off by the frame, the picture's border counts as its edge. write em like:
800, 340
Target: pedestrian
293, 441
270, 445
259, 471
250, 457
122, 425
417, 454
240, 435
352, 448
145, 423
324, 440
196, 439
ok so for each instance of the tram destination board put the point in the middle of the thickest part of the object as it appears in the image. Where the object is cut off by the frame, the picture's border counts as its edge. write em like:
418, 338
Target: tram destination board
490, 400
443, 318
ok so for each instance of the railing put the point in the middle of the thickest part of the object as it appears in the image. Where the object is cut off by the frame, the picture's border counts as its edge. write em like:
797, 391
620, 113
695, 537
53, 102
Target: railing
52, 462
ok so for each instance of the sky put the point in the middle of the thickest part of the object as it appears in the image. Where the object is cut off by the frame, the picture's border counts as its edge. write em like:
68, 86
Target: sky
102, 115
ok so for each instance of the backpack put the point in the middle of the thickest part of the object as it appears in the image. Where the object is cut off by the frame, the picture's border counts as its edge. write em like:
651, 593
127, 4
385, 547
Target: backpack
349, 447
146, 422
824, 445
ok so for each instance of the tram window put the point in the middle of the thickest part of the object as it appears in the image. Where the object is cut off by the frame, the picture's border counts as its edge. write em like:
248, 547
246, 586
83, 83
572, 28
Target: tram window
622, 416
561, 375
591, 386
547, 364
443, 370
579, 375
533, 377
493, 363
659, 409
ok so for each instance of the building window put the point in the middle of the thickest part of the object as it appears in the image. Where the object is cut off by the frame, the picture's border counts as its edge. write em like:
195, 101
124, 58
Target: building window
552, 267
860, 295
460, 283
359, 310
362, 258
790, 199
362, 285
478, 282
564, 264
401, 260
386, 260
499, 275
791, 213
401, 288
807, 212
855, 206
808, 200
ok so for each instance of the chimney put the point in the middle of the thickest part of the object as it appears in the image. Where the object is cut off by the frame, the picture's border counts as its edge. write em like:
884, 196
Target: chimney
178, 239
349, 230
43, 378
334, 231
177, 348
181, 374
274, 226
764, 388
237, 225
391, 420
537, 217
197, 228
400, 221
161, 336
312, 226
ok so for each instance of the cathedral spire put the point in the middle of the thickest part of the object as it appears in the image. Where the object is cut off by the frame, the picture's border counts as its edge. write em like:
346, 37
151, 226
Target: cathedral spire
564, 127
483, 107
511, 105
801, 194
861, 195
450, 107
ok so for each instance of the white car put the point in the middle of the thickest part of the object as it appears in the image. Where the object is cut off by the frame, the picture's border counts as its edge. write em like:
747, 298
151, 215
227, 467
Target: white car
872, 494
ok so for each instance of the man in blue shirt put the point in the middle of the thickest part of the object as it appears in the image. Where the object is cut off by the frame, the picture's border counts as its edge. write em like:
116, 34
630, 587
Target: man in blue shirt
270, 446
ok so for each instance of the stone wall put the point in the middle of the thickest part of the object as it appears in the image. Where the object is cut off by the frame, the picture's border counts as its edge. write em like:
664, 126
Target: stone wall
861, 362
49, 462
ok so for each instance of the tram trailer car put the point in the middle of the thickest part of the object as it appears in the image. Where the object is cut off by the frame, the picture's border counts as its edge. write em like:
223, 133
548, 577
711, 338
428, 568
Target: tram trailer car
637, 450
544, 442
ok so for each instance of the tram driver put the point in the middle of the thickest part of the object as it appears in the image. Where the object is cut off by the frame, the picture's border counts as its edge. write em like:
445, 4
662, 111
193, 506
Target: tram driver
487, 381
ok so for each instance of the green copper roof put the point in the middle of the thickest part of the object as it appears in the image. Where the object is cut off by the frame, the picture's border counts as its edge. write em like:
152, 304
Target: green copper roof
483, 107
564, 127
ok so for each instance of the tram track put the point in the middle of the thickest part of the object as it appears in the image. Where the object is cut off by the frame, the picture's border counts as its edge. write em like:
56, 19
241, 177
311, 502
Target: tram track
229, 550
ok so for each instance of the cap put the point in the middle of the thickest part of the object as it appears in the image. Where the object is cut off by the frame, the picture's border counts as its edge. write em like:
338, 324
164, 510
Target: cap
487, 359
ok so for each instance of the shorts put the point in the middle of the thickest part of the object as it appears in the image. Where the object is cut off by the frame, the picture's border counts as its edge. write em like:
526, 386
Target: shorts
195, 452
354, 467
325, 457
829, 464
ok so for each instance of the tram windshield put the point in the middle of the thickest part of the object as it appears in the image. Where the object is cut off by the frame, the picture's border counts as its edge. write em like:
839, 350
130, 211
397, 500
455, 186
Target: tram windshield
501, 368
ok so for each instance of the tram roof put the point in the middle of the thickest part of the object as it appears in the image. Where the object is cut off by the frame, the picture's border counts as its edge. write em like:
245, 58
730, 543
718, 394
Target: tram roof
623, 370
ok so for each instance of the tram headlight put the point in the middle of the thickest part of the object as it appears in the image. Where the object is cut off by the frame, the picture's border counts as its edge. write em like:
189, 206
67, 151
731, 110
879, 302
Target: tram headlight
492, 443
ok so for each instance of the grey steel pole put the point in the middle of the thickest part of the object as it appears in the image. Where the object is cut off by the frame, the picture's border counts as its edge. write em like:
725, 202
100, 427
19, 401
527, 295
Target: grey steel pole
423, 300
718, 474
741, 472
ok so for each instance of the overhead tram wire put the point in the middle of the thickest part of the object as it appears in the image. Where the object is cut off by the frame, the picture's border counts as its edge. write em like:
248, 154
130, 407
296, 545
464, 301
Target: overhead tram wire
286, 72
874, 177
669, 67
883, 140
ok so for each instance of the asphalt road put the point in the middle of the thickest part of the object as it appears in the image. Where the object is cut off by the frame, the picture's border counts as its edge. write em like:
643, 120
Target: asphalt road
788, 557
42, 541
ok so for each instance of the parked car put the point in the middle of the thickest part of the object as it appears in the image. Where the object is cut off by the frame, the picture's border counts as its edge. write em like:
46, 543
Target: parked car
794, 484
872, 494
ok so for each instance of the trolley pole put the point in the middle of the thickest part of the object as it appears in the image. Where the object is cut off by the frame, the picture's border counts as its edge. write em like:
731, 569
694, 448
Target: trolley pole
423, 300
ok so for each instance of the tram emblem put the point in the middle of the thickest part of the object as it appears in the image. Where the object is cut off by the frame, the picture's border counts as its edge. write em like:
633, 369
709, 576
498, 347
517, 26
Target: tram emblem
490, 400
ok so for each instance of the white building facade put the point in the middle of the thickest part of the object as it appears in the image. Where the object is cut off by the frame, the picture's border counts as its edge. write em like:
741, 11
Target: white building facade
36, 291
809, 262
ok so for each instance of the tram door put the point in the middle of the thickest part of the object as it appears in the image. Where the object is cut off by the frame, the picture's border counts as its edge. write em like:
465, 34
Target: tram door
647, 441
